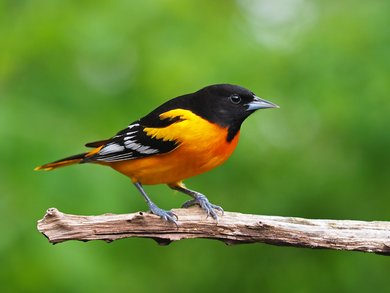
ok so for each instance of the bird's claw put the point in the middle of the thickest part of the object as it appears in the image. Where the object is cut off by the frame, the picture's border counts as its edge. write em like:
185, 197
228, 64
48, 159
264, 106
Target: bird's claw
166, 215
205, 204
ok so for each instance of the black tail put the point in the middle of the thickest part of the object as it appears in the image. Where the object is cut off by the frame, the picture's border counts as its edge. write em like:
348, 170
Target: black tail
62, 163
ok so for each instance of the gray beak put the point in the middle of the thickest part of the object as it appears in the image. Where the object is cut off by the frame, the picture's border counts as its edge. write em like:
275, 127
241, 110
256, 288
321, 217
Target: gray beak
258, 103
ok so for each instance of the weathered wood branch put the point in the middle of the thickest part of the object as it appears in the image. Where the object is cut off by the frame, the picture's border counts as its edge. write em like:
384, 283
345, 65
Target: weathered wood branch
232, 229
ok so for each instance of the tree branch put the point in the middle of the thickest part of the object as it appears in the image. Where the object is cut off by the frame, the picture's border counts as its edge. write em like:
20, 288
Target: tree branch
232, 229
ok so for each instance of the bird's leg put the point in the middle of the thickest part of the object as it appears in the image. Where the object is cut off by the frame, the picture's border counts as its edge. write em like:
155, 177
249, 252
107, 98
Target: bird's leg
166, 215
199, 199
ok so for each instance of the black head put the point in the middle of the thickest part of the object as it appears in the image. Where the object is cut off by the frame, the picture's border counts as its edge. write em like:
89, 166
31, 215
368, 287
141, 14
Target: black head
227, 105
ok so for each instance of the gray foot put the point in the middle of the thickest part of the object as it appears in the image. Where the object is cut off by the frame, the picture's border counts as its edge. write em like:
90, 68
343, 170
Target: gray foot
166, 215
202, 200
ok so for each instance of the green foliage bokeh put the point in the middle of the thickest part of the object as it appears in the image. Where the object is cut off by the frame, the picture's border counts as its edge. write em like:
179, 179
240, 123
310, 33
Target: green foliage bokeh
72, 72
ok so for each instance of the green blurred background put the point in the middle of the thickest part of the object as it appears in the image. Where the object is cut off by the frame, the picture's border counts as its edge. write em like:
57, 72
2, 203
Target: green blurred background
72, 72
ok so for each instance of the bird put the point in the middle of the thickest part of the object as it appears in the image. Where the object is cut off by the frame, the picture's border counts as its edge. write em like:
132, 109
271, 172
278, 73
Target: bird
184, 137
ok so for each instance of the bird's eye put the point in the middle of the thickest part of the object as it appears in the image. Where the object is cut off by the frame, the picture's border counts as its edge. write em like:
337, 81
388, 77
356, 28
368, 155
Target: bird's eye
236, 99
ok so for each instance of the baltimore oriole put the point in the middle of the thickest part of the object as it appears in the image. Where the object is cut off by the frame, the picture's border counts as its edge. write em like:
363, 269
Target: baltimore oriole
184, 137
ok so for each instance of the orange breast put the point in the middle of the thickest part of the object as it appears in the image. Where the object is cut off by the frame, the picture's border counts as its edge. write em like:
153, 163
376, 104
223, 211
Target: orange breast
203, 146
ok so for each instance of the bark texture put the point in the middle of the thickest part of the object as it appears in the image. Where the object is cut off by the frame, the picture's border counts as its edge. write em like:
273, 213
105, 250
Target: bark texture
232, 229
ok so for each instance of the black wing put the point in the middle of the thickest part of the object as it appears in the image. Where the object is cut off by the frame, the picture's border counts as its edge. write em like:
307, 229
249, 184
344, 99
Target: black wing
133, 143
